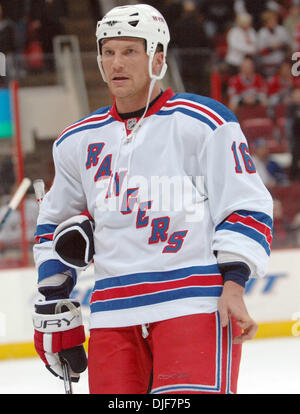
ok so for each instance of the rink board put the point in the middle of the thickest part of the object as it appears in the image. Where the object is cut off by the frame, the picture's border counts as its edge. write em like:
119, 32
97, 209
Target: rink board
274, 302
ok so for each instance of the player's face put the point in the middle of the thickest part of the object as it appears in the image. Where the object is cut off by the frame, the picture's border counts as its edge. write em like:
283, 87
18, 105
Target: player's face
125, 63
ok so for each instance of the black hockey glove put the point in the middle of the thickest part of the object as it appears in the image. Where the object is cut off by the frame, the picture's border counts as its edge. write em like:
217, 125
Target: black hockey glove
73, 242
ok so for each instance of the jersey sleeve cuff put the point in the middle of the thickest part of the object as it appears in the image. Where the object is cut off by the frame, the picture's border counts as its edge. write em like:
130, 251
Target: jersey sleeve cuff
52, 267
237, 272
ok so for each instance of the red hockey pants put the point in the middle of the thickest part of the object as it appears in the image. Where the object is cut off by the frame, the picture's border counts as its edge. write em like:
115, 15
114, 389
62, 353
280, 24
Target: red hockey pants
185, 355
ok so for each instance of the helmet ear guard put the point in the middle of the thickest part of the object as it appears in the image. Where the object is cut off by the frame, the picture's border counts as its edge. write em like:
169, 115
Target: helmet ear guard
162, 71
139, 21
99, 61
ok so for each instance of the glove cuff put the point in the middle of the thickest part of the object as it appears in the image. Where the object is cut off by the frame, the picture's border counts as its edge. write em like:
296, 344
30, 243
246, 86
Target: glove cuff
46, 320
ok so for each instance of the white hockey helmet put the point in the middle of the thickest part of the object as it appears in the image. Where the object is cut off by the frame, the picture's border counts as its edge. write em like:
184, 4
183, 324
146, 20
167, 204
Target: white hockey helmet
140, 21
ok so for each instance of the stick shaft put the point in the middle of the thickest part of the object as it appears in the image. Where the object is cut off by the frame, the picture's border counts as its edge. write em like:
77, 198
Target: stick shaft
64, 364
5, 217
66, 375
19, 194
16, 199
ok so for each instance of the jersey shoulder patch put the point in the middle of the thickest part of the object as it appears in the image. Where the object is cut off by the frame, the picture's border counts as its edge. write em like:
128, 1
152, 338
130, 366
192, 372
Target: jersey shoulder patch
207, 110
96, 119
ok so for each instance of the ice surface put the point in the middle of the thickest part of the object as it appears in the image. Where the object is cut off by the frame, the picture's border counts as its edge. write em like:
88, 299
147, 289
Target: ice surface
269, 366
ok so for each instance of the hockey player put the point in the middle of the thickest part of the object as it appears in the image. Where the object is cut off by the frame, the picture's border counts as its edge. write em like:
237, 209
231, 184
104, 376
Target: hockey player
167, 303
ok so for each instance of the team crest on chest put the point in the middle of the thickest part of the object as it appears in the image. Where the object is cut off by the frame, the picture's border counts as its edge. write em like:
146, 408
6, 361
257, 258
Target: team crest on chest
131, 123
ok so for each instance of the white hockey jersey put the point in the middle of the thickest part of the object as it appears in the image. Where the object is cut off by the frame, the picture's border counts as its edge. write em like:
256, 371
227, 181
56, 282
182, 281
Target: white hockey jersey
164, 201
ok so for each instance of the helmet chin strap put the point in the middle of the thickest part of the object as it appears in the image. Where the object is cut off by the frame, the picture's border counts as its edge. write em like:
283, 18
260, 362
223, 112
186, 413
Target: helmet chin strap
138, 124
154, 78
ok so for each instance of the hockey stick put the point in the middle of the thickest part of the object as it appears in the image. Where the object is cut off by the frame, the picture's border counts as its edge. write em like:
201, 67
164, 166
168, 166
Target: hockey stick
16, 199
65, 367
66, 375
39, 189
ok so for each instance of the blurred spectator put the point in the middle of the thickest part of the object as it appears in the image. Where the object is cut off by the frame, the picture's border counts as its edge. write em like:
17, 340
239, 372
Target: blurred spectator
247, 87
189, 31
291, 22
296, 228
281, 85
241, 41
33, 54
254, 7
293, 133
7, 46
219, 15
274, 43
277, 7
7, 175
171, 10
190, 38
269, 170
282, 229
7, 35
296, 38
17, 11
96, 10
47, 16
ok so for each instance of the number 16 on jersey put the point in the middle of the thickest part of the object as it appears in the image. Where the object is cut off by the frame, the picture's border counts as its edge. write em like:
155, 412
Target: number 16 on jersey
242, 152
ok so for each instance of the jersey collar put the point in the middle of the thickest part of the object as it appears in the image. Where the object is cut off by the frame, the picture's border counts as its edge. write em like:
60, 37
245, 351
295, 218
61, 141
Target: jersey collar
151, 111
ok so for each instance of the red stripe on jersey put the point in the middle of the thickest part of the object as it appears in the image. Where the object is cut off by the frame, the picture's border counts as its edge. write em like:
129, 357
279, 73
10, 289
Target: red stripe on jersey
249, 221
87, 214
199, 108
44, 236
86, 121
147, 288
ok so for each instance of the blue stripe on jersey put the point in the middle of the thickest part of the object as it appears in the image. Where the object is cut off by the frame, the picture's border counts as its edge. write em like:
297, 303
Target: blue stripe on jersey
52, 267
158, 297
189, 113
246, 231
99, 111
151, 299
44, 240
216, 106
259, 216
43, 229
83, 128
137, 278
229, 355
